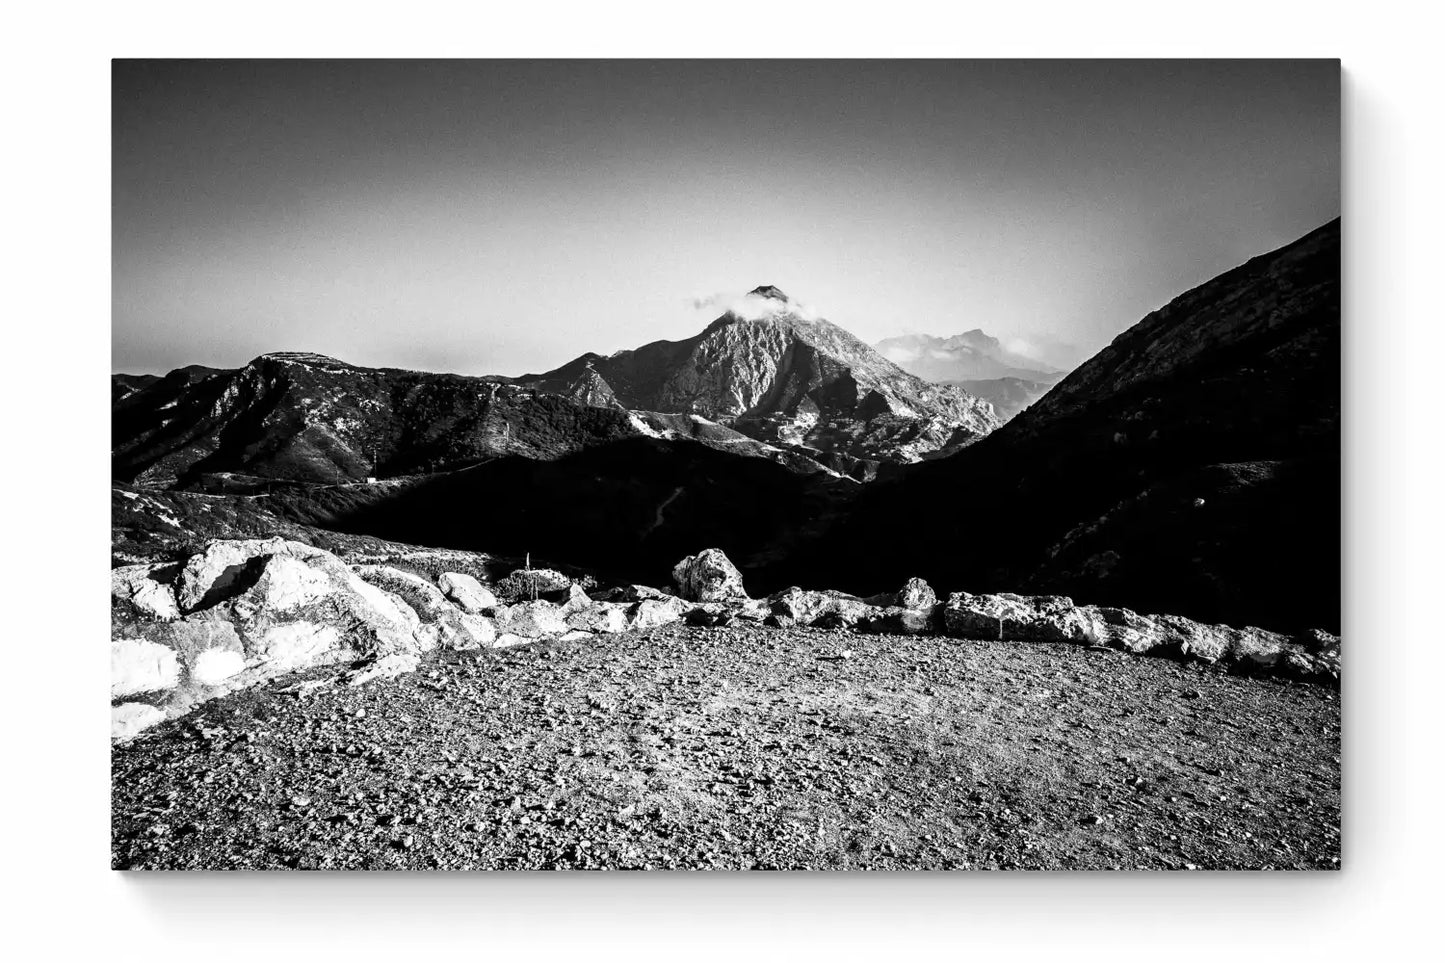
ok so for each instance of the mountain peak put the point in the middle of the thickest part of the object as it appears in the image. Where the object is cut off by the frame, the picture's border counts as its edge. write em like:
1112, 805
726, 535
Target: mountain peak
309, 358
768, 291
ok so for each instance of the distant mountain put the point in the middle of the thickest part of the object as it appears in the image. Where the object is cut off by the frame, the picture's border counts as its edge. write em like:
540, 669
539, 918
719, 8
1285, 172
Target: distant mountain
298, 417
1192, 466
1009, 396
125, 385
971, 356
770, 371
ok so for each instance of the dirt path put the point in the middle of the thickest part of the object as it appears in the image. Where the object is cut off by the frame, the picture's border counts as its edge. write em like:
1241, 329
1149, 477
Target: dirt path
746, 748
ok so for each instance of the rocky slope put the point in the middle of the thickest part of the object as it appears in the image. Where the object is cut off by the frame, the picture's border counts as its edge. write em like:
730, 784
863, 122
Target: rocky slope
629, 509
774, 373
299, 417
1192, 466
971, 356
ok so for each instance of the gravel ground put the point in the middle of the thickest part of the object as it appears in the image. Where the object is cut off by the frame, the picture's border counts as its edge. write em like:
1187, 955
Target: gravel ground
746, 748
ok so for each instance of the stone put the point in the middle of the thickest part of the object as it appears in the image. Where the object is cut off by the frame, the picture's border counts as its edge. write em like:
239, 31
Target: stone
226, 567
917, 595
707, 616
805, 607
129, 719
1185, 637
727, 612
1255, 647
606, 617
214, 666
294, 645
571, 599
1319, 641
467, 593
652, 613
145, 592
1121, 628
450, 626
387, 667
1019, 618
253, 609
192, 638
138, 665
897, 620
530, 620
708, 576
1249, 647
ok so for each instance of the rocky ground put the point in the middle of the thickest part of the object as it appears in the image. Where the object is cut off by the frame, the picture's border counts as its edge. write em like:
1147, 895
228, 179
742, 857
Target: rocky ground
745, 747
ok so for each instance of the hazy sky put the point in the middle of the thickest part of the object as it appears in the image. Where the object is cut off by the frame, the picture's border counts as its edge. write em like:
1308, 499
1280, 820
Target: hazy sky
503, 217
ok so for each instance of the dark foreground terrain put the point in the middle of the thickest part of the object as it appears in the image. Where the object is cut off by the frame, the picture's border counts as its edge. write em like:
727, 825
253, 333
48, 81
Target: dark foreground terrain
746, 748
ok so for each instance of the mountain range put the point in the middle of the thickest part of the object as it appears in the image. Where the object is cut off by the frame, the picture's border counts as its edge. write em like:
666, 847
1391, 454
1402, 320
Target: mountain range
971, 356
1191, 466
771, 384
976, 362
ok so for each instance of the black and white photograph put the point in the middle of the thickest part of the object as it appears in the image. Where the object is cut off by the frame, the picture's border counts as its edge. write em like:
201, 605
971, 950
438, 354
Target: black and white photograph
741, 465
771, 481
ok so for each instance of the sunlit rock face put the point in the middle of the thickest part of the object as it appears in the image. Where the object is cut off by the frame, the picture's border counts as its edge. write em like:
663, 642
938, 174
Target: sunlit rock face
773, 371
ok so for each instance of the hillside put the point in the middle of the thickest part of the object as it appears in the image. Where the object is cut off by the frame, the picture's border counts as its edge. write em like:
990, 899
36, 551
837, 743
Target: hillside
629, 509
1192, 466
298, 417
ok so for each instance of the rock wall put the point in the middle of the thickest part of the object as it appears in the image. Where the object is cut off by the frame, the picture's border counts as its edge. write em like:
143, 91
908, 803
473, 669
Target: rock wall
243, 612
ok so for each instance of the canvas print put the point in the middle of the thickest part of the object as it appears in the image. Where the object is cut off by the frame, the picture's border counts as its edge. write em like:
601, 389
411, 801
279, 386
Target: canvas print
725, 465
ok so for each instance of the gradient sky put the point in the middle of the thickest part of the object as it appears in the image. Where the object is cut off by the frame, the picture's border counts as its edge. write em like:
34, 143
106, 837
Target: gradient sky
504, 217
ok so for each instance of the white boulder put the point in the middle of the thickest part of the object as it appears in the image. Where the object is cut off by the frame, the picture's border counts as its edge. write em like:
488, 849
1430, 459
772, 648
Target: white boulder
146, 590
137, 666
708, 576
467, 593
129, 719
258, 608
451, 627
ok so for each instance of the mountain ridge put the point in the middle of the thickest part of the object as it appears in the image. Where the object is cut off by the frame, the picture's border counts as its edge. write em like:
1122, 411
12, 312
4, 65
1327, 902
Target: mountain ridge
769, 370
309, 418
